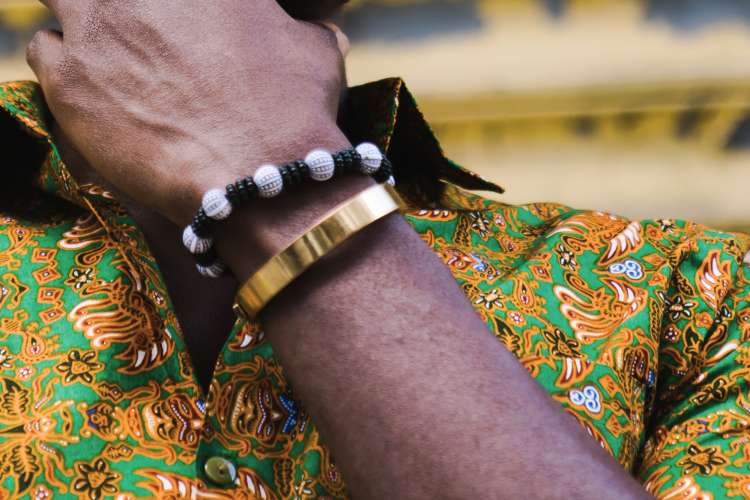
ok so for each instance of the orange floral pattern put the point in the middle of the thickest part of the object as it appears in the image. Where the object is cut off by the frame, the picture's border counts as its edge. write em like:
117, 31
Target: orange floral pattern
640, 330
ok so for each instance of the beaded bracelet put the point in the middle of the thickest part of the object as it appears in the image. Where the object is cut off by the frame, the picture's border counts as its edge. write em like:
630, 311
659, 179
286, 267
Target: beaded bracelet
269, 181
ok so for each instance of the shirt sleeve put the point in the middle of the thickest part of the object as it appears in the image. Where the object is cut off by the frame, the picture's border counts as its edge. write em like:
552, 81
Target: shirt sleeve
697, 443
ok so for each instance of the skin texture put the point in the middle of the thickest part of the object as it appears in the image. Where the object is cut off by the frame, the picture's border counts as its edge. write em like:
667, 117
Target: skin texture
416, 400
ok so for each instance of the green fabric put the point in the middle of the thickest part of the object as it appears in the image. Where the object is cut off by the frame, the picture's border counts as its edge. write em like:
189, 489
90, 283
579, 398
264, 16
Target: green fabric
640, 330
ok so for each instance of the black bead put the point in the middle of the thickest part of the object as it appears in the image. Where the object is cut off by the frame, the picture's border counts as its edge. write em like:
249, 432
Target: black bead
201, 224
242, 190
233, 196
207, 259
252, 187
356, 159
296, 175
338, 164
286, 176
384, 172
346, 161
247, 188
201, 219
304, 170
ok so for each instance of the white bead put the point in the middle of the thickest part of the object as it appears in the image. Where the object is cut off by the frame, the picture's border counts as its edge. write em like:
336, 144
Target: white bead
215, 270
269, 181
372, 158
391, 180
216, 205
194, 243
321, 165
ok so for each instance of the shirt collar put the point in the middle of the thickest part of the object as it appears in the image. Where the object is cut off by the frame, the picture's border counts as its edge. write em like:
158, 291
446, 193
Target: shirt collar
383, 112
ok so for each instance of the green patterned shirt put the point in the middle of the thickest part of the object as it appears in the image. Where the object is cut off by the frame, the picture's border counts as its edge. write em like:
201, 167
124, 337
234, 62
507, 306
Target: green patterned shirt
639, 329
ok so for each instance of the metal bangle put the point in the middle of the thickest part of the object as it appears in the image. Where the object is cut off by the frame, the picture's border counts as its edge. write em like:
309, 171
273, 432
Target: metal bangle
339, 225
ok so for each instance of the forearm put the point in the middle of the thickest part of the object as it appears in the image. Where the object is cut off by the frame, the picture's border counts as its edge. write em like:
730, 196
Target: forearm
408, 387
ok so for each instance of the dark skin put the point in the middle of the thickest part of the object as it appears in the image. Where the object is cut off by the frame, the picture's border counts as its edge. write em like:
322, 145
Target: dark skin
397, 369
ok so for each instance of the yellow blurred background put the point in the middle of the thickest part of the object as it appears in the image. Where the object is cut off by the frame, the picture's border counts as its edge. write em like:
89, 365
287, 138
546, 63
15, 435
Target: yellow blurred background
640, 107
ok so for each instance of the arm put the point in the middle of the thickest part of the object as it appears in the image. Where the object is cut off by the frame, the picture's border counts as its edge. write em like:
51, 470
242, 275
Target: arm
399, 371
408, 387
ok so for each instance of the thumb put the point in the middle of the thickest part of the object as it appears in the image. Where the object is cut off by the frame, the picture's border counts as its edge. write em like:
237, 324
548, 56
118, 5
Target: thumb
44, 54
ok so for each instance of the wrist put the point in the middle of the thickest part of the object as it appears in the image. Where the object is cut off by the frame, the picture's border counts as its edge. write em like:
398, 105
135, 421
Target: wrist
256, 233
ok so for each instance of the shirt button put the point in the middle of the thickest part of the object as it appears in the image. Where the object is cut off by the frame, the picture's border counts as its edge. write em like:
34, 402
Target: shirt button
220, 471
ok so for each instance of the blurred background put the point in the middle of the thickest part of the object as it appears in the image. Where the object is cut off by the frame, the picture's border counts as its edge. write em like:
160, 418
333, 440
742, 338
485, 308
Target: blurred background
639, 107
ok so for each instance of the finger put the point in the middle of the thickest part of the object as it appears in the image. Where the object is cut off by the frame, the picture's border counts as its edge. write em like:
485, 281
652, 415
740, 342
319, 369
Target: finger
63, 10
341, 39
44, 54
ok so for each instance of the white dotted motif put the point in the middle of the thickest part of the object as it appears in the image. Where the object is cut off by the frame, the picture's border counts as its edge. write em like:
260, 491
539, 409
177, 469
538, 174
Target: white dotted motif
194, 243
215, 270
269, 181
321, 165
216, 205
372, 158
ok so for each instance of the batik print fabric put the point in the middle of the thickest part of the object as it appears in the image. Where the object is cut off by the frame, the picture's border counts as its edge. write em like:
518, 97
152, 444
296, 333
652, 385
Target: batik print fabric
640, 330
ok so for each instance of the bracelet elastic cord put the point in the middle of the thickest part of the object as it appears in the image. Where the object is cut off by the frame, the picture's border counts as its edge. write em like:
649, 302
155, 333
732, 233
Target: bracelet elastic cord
269, 181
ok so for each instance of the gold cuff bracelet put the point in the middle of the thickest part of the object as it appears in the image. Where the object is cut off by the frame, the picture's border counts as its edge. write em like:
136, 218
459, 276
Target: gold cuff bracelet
339, 225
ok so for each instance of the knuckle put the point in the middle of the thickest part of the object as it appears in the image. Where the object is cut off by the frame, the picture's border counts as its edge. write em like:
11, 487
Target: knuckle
329, 37
319, 36
327, 53
35, 47
42, 56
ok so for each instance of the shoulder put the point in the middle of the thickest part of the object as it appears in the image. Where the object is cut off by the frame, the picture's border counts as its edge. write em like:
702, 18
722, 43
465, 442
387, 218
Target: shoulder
591, 239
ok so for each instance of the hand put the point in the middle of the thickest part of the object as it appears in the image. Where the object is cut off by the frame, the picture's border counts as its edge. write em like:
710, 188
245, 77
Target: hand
166, 100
